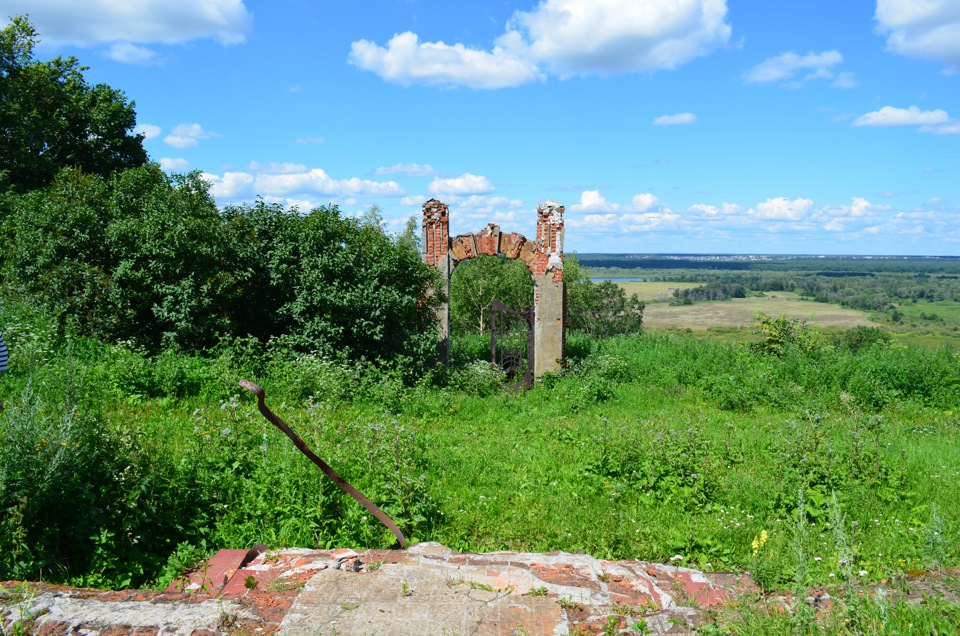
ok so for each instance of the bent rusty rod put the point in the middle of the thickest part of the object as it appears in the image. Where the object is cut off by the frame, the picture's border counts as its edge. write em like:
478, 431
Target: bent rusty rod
322, 465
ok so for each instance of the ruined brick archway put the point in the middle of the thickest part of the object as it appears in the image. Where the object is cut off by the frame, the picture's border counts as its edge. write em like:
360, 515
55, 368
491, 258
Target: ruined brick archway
544, 259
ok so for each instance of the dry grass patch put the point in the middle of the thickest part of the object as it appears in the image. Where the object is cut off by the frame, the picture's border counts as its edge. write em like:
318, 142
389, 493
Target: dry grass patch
739, 312
651, 291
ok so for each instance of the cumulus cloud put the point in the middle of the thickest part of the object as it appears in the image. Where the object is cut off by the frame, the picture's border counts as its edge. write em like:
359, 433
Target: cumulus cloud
122, 22
132, 54
232, 185
188, 136
593, 201
574, 37
796, 70
891, 116
407, 170
287, 184
927, 29
645, 201
649, 221
405, 60
489, 208
174, 165
562, 37
782, 209
317, 181
674, 120
464, 184
713, 212
149, 131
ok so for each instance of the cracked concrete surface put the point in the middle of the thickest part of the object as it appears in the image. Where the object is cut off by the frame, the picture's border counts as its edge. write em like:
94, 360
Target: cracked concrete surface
427, 589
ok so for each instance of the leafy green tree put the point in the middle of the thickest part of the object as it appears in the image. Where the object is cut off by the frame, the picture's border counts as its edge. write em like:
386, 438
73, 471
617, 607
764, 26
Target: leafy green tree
476, 282
143, 256
777, 335
51, 117
599, 309
54, 249
174, 267
356, 291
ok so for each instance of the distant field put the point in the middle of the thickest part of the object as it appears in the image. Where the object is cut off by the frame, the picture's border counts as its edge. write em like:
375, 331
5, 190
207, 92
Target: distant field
654, 290
739, 312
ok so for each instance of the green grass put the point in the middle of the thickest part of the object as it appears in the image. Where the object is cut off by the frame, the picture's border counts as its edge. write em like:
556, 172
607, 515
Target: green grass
649, 447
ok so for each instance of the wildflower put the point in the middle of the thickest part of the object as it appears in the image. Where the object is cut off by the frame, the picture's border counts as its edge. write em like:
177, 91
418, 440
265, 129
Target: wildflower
676, 557
816, 558
759, 542
862, 573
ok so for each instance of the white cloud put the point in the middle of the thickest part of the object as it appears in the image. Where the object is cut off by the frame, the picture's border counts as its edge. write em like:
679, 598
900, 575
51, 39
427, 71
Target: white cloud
132, 54
464, 184
860, 207
785, 66
891, 116
573, 37
317, 181
149, 131
674, 120
782, 209
593, 201
309, 140
405, 60
952, 127
174, 165
922, 28
562, 37
276, 168
489, 208
416, 199
232, 185
645, 201
713, 212
125, 22
188, 136
295, 186
649, 220
407, 169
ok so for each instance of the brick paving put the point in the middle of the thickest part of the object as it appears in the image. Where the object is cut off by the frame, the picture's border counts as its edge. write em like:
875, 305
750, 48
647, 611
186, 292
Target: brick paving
427, 589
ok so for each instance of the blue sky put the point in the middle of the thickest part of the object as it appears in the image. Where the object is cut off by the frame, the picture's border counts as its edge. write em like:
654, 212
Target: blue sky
703, 126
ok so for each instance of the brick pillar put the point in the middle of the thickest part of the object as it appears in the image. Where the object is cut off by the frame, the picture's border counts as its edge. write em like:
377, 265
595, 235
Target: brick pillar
436, 249
548, 290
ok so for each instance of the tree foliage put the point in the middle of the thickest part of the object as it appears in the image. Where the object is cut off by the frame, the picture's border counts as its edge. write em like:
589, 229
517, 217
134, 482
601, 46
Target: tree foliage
599, 309
476, 282
51, 117
148, 257
777, 335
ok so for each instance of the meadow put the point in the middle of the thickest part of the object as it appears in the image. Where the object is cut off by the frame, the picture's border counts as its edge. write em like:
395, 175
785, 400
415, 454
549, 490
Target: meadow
118, 468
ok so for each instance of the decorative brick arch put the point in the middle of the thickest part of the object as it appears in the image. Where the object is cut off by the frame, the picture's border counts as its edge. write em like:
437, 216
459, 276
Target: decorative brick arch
544, 258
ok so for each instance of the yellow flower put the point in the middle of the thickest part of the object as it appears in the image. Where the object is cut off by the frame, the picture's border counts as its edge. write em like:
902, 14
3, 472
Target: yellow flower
759, 542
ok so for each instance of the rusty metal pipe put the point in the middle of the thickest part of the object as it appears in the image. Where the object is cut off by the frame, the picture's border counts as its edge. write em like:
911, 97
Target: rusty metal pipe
322, 465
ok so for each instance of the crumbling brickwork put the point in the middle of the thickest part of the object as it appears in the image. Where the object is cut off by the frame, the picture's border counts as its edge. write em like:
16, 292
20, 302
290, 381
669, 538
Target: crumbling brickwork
543, 257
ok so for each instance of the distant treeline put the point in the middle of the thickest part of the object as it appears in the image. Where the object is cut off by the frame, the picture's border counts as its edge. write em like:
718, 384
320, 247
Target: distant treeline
628, 264
866, 284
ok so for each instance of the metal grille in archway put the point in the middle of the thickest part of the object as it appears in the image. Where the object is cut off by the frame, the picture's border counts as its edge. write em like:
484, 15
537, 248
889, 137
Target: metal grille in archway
512, 343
